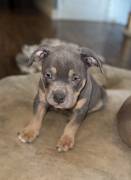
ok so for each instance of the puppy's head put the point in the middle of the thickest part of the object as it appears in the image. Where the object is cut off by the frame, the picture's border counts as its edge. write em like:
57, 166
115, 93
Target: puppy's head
64, 72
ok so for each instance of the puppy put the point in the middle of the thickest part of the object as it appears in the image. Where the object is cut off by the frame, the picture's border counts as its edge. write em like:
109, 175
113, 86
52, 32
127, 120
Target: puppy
124, 121
65, 83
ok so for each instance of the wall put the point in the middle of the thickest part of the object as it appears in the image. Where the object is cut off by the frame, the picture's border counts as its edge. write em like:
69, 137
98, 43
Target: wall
93, 10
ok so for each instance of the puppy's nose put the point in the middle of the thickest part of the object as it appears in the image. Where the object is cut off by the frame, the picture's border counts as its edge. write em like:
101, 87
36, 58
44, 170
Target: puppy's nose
59, 96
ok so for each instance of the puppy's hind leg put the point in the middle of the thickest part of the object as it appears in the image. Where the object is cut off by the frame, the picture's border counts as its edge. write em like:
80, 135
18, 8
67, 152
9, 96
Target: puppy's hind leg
101, 102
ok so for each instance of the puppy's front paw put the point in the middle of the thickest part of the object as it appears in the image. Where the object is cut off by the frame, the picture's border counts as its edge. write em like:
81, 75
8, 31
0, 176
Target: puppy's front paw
28, 135
65, 143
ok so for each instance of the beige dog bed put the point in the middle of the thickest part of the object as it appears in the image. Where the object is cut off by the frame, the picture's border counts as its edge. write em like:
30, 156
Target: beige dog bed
99, 154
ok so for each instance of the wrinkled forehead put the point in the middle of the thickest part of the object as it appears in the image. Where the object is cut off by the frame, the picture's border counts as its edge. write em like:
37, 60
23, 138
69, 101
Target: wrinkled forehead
64, 61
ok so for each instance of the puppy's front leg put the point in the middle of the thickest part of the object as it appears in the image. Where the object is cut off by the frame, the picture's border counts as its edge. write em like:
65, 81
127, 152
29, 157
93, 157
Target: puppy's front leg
31, 131
67, 140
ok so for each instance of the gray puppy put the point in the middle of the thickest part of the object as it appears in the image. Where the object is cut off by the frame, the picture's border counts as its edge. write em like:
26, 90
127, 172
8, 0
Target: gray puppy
65, 83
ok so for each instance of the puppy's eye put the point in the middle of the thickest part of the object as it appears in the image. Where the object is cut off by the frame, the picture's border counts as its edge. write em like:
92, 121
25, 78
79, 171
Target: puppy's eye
76, 78
48, 75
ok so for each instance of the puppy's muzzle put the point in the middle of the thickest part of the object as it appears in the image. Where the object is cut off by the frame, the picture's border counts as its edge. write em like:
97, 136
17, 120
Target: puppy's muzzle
59, 96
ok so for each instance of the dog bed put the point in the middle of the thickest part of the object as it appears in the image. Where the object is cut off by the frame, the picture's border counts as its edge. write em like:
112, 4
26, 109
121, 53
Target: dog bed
99, 153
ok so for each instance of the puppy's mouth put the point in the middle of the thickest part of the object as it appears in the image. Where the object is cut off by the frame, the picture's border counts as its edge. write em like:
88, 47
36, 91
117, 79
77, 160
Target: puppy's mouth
60, 105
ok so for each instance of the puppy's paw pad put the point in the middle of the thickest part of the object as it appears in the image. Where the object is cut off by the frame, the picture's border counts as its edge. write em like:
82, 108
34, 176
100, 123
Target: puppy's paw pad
27, 136
65, 143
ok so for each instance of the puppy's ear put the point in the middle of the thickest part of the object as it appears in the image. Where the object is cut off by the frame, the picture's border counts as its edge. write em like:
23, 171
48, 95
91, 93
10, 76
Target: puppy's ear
90, 58
38, 55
